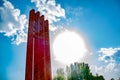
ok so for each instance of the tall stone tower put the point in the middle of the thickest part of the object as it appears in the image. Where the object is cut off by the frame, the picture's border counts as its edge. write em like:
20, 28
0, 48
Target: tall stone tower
38, 64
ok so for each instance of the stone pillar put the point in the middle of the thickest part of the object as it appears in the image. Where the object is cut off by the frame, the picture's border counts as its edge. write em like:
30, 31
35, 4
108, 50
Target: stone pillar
38, 64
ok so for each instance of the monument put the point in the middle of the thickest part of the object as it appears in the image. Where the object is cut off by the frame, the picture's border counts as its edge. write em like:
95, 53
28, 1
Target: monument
38, 64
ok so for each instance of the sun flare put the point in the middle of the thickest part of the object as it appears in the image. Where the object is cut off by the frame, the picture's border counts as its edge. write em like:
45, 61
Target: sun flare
69, 47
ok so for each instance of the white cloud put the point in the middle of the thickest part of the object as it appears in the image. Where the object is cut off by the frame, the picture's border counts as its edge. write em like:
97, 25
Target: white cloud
52, 11
111, 68
109, 51
110, 64
13, 23
109, 54
53, 27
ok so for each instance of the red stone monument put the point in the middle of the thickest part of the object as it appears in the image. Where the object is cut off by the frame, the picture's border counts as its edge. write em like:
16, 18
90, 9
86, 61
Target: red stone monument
38, 65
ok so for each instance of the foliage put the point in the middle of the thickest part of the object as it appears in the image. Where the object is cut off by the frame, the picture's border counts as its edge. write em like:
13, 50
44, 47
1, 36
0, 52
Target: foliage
60, 75
76, 71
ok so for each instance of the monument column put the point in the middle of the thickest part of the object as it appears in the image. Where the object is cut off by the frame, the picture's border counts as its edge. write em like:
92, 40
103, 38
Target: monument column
38, 64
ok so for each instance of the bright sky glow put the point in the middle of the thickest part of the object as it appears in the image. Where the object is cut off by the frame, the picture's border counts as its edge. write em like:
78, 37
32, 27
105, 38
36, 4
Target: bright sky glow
69, 47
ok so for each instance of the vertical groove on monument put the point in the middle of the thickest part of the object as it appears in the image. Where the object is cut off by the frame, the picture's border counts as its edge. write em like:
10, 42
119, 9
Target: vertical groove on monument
36, 47
29, 55
38, 65
47, 51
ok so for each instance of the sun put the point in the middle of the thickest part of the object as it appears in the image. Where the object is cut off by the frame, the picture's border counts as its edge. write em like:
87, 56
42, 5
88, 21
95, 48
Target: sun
69, 47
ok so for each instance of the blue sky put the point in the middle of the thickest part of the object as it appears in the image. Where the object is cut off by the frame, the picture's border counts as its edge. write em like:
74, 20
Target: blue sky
98, 20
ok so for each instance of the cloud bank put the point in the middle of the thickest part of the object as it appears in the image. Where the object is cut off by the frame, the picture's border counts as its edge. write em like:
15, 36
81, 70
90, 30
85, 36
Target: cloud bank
52, 11
109, 54
13, 23
110, 58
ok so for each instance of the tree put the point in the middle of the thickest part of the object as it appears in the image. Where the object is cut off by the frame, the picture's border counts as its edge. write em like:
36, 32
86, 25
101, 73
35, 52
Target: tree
77, 71
59, 75
112, 79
